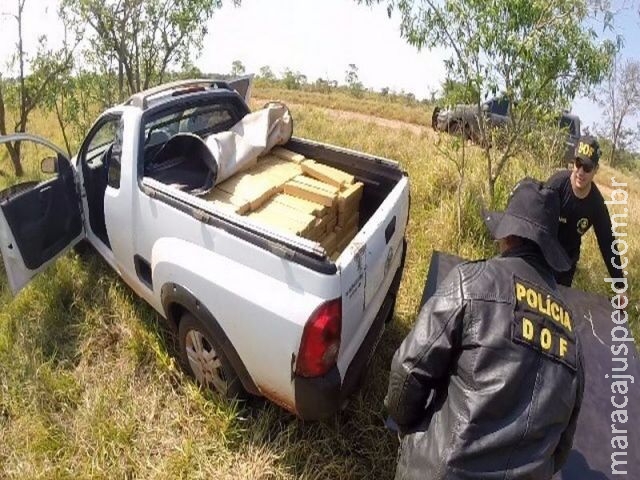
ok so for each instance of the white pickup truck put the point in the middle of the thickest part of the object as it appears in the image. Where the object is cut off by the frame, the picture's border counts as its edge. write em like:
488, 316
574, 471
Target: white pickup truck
255, 310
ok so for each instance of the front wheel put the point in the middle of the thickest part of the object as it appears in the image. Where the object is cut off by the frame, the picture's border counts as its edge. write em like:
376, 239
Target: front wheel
84, 249
202, 357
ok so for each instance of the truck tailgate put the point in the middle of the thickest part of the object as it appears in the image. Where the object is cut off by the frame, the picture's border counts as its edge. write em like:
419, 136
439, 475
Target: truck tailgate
367, 267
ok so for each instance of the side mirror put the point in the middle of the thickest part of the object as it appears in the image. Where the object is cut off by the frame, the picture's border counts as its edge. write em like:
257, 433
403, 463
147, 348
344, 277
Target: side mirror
49, 165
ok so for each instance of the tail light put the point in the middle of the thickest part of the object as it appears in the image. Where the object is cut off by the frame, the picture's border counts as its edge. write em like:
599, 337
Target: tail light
320, 342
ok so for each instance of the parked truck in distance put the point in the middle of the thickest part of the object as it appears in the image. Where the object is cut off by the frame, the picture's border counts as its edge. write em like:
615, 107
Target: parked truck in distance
256, 309
463, 119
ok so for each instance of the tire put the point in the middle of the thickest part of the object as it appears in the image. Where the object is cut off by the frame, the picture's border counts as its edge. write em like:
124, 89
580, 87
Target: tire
454, 128
203, 358
389, 317
460, 129
84, 250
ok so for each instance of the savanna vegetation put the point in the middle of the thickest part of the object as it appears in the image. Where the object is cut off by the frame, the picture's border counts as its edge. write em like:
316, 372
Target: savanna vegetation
90, 387
89, 383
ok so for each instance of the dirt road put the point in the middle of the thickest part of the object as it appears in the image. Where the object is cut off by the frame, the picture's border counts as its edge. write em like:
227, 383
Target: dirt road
362, 117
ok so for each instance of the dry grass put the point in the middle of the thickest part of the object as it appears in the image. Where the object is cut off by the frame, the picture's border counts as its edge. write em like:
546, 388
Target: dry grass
370, 104
89, 387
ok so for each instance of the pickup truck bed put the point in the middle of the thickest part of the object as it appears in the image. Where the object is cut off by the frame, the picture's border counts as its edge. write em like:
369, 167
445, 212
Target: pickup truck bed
377, 176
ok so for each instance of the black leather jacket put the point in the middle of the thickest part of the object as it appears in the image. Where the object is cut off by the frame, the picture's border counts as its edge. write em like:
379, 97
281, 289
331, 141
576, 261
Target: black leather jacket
489, 382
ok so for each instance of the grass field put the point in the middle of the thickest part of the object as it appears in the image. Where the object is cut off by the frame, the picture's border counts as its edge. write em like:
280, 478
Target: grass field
370, 103
89, 387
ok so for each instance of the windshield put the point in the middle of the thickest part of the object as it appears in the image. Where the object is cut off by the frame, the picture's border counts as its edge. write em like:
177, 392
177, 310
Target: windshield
569, 124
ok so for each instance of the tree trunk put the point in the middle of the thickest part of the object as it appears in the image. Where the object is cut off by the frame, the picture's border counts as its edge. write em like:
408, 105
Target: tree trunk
14, 153
459, 199
491, 184
59, 111
617, 128
612, 160
490, 180
120, 80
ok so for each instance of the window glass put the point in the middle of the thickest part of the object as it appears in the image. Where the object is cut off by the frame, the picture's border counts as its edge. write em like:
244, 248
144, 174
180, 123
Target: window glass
501, 106
201, 121
98, 149
31, 155
114, 164
102, 138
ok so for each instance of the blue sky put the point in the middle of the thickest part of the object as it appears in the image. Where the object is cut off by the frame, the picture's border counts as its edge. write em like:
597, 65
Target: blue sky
627, 24
317, 38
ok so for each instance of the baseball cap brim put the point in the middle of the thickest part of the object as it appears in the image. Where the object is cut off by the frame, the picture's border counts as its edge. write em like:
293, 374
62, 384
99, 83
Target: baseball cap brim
586, 161
502, 225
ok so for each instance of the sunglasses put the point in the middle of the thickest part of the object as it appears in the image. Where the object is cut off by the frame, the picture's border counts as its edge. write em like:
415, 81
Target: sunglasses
586, 167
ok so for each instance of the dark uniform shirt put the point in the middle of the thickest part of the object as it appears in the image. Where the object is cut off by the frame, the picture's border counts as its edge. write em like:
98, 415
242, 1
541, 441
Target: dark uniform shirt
577, 215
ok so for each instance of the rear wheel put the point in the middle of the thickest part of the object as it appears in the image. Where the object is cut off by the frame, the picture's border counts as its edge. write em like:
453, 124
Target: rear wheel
84, 249
459, 129
389, 316
453, 128
203, 358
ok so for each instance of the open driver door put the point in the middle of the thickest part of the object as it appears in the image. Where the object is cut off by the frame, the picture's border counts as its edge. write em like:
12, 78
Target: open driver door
39, 221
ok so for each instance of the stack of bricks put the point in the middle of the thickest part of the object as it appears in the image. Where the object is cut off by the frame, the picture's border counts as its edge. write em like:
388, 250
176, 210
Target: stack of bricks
303, 197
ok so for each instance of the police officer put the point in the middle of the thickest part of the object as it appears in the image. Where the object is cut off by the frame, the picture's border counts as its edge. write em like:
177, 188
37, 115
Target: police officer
581, 206
489, 382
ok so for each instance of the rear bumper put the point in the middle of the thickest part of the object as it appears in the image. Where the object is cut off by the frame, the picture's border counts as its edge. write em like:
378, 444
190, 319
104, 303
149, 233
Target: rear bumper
321, 397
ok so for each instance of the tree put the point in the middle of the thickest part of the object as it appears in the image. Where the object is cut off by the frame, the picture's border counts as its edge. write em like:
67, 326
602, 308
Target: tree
619, 98
322, 85
293, 80
237, 68
266, 73
626, 159
142, 39
351, 74
537, 52
454, 91
353, 82
76, 100
26, 92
